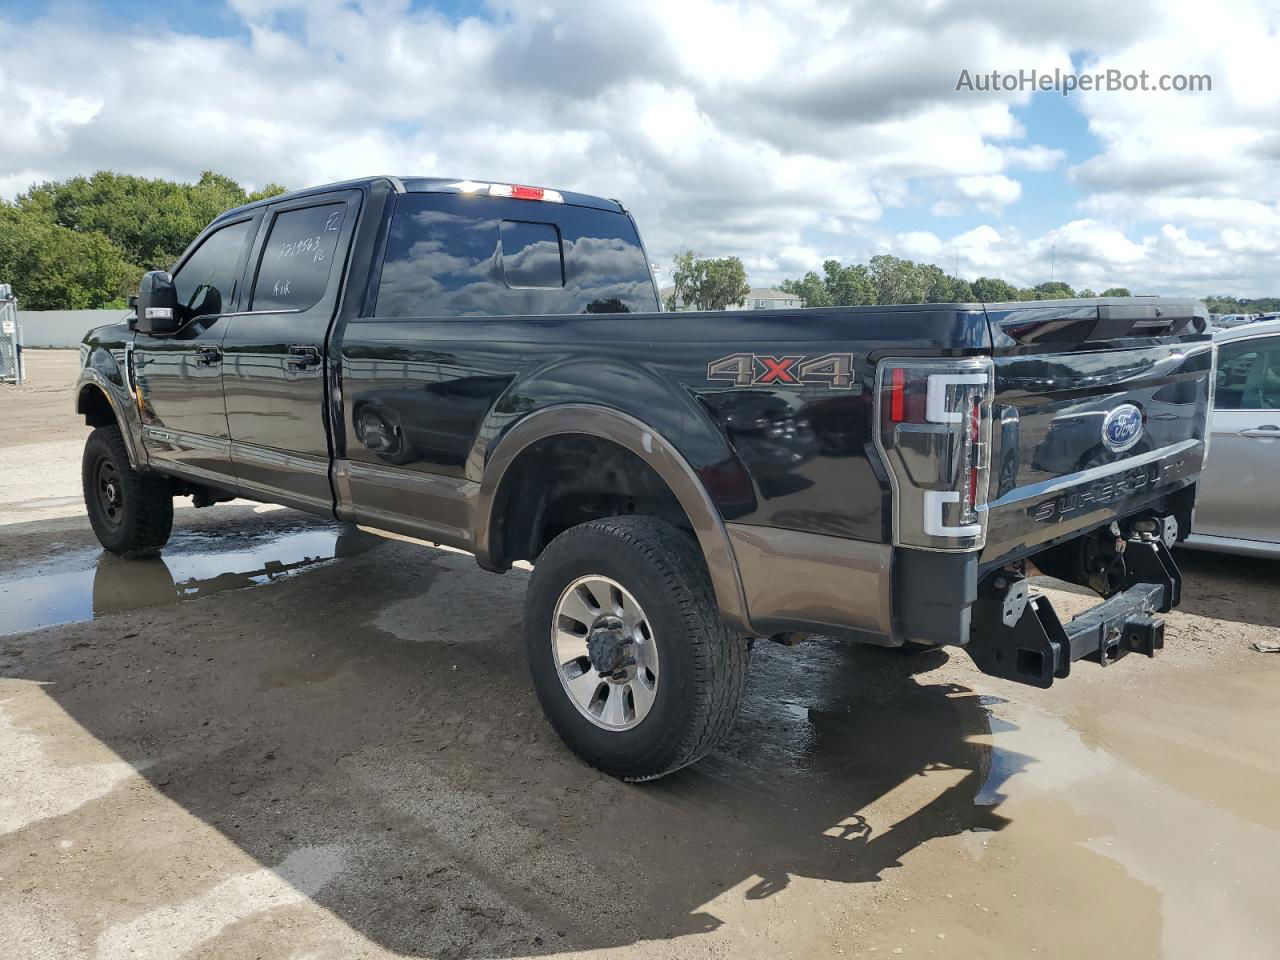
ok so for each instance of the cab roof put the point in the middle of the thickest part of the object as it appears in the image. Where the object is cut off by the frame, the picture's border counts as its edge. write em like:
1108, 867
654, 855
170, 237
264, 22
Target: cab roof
438, 185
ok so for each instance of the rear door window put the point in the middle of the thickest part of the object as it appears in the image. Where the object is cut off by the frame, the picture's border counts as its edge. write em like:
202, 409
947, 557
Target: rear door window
453, 255
297, 258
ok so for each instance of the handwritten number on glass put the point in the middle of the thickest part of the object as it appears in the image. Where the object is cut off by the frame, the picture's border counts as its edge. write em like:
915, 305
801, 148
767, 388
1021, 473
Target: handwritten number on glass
296, 248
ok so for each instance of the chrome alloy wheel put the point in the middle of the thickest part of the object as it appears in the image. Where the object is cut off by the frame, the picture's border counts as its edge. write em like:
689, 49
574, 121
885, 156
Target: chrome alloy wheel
604, 652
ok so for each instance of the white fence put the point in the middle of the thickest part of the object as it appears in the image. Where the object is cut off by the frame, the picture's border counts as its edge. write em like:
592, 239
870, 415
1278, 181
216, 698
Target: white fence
62, 328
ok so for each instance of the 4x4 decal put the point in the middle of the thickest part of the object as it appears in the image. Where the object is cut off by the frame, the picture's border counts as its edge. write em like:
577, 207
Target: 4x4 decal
833, 370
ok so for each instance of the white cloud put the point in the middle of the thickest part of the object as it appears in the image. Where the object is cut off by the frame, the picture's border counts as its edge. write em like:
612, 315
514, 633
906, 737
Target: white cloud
1088, 253
990, 192
1035, 157
919, 245
1217, 143
783, 132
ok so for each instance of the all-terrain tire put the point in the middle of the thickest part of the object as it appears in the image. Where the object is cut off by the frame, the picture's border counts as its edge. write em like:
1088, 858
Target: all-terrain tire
703, 662
131, 513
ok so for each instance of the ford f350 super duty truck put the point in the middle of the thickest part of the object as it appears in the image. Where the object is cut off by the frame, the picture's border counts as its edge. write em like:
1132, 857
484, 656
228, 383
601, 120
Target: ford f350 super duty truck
485, 366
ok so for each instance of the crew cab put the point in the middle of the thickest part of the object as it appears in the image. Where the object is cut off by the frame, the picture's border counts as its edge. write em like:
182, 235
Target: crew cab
486, 366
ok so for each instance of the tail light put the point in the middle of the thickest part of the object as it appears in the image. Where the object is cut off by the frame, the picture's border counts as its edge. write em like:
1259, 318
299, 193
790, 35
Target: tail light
934, 434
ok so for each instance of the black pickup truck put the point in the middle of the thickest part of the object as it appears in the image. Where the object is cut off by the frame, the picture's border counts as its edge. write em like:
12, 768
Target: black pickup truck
486, 366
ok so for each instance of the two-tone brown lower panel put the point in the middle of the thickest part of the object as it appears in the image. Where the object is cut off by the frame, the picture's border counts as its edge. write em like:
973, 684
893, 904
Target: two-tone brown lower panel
800, 581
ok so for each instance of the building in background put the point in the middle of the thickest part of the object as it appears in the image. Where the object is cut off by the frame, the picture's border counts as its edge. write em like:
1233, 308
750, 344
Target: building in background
760, 298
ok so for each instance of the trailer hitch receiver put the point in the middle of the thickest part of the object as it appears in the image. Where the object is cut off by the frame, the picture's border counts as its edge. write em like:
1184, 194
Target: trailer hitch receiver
1017, 635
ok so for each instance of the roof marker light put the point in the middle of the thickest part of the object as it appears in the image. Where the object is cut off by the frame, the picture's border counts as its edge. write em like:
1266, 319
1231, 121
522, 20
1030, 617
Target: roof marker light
515, 191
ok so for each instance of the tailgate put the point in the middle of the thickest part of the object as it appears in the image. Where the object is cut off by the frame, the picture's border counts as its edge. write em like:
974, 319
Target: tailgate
1100, 411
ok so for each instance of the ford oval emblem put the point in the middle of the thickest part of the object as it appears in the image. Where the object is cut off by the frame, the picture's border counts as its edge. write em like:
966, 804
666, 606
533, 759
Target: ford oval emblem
1122, 428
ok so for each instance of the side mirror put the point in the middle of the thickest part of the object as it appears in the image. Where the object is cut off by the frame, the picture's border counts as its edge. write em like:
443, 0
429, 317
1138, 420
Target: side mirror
157, 304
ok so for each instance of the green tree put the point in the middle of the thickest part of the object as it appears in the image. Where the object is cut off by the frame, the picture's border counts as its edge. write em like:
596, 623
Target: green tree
1086, 293
961, 291
839, 286
52, 267
994, 290
54, 253
152, 221
897, 280
849, 286
939, 287
1117, 292
724, 284
1224, 305
707, 284
685, 278
1052, 290
810, 289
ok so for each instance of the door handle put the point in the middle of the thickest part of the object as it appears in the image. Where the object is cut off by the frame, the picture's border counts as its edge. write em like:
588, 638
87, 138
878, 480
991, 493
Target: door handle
302, 357
208, 357
1265, 432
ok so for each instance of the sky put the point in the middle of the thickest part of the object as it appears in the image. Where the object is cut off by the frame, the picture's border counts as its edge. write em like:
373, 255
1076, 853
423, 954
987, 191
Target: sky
784, 133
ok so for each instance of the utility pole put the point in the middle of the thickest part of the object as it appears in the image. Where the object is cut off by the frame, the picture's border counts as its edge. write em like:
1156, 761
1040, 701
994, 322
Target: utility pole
1053, 260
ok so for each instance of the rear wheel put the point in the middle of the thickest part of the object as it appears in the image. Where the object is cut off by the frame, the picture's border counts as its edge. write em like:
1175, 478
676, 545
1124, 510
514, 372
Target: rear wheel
131, 513
630, 660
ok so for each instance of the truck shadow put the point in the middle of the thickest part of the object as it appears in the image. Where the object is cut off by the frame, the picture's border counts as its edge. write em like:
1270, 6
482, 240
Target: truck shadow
373, 723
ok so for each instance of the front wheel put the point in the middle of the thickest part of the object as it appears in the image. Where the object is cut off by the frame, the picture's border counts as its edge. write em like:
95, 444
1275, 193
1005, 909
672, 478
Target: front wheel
630, 660
131, 513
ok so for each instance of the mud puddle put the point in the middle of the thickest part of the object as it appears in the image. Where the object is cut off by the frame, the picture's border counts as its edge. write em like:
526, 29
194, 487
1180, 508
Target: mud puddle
93, 583
1095, 819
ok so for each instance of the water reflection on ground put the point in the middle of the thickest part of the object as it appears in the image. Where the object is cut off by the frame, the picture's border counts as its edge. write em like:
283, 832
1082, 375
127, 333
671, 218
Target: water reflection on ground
93, 583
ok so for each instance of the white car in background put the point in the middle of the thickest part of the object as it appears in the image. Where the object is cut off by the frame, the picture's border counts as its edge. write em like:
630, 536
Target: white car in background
1238, 505
1228, 320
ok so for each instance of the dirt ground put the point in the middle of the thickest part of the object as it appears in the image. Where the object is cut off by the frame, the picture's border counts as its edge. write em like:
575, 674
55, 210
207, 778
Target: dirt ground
40, 410
287, 739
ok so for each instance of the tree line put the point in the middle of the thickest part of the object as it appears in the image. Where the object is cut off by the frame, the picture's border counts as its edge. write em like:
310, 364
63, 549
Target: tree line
888, 279
716, 284
1236, 305
85, 242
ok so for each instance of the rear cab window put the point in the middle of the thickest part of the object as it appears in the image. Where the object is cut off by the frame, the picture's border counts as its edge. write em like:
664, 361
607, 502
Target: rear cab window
454, 255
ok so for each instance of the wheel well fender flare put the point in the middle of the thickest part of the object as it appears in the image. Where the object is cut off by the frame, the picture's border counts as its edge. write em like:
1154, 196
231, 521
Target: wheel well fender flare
94, 395
654, 450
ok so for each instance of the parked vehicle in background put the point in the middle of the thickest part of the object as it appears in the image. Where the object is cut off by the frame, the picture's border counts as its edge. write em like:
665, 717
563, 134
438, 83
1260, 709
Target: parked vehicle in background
1229, 320
485, 366
1239, 506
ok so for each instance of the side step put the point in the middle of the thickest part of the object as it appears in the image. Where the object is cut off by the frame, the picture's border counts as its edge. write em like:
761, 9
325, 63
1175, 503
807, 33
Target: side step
1017, 635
